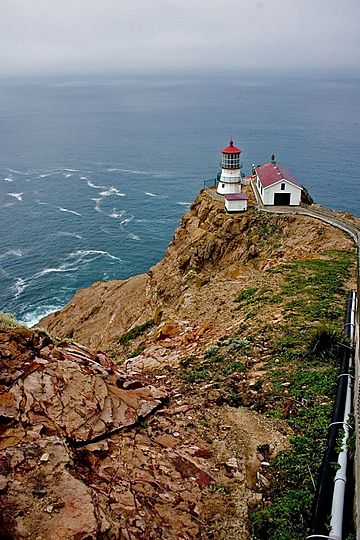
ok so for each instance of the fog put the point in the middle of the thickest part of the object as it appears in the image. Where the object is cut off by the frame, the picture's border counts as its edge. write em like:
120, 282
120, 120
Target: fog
113, 36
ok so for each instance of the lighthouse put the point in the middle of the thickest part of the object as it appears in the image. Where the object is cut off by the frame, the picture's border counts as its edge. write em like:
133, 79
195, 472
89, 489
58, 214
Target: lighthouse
230, 178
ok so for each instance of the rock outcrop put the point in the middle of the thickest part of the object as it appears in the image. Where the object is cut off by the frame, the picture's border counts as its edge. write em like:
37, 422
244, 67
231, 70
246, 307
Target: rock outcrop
211, 257
78, 460
158, 432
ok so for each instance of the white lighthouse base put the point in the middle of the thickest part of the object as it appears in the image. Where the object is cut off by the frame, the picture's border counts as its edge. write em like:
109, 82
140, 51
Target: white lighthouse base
230, 182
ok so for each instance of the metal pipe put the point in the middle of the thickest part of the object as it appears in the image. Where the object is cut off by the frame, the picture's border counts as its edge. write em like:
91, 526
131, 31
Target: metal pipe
337, 508
325, 487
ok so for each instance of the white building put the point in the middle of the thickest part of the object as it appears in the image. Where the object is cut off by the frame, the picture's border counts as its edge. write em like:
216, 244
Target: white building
230, 179
235, 202
277, 185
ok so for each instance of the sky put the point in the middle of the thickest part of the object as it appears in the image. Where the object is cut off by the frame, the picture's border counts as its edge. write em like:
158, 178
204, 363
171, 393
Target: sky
48, 37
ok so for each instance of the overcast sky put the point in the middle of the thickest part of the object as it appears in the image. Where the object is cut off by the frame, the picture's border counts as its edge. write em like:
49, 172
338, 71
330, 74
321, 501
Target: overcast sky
97, 36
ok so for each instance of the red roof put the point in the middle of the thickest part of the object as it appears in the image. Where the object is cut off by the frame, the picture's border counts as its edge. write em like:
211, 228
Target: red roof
236, 197
231, 149
270, 173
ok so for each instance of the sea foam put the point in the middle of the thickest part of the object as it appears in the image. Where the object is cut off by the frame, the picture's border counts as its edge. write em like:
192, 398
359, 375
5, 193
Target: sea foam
17, 196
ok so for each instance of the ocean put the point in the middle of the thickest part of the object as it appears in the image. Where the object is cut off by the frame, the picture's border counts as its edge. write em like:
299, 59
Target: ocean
95, 173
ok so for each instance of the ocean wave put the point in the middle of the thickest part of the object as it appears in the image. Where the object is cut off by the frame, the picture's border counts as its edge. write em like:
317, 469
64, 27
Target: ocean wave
183, 203
17, 172
134, 171
17, 196
115, 214
150, 220
7, 205
111, 191
11, 253
82, 253
67, 175
65, 267
134, 236
33, 317
97, 205
127, 220
72, 263
150, 194
18, 287
65, 233
45, 175
83, 178
69, 211
7, 179
94, 186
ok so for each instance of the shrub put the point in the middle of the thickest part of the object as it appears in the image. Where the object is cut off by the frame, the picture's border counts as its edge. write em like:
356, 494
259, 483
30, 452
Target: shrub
326, 339
7, 320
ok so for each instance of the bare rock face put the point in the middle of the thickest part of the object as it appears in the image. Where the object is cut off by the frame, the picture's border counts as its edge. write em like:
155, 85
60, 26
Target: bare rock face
62, 475
84, 456
211, 254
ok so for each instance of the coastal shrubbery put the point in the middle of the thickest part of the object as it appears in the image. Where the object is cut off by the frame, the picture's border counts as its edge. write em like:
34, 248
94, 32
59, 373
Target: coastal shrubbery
8, 320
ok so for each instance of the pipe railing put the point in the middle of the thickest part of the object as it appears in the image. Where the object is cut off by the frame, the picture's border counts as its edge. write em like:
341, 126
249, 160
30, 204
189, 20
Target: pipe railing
329, 498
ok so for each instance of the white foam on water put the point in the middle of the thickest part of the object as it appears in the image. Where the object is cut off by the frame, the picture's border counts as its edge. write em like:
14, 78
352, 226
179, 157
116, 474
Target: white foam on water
83, 253
116, 215
94, 186
65, 267
83, 178
183, 203
7, 179
127, 220
17, 196
33, 317
64, 233
132, 171
134, 236
69, 211
7, 205
150, 194
97, 205
11, 253
67, 175
18, 287
16, 172
111, 191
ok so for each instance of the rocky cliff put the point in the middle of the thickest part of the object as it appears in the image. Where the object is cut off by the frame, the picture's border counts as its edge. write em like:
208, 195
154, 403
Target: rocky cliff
212, 257
166, 425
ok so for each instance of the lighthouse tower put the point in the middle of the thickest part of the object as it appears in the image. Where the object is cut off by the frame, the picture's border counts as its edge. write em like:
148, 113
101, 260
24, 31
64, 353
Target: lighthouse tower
230, 179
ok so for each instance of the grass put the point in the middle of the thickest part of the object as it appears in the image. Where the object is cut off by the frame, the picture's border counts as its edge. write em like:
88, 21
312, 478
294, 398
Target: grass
222, 359
302, 355
135, 332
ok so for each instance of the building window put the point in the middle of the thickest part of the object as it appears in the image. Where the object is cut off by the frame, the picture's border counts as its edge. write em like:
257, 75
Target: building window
223, 185
282, 187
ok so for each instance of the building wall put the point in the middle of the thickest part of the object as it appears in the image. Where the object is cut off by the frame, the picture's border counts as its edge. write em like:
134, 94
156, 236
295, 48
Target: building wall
267, 194
236, 206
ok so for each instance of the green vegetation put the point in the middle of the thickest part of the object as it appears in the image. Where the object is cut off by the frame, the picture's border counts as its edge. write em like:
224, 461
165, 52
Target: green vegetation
8, 320
326, 339
251, 296
135, 332
303, 379
224, 358
245, 294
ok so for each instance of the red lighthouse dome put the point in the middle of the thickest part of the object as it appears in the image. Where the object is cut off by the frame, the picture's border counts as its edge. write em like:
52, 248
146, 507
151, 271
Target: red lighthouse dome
230, 158
231, 149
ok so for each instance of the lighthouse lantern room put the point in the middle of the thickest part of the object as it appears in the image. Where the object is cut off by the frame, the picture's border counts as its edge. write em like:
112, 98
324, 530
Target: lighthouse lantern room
230, 179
